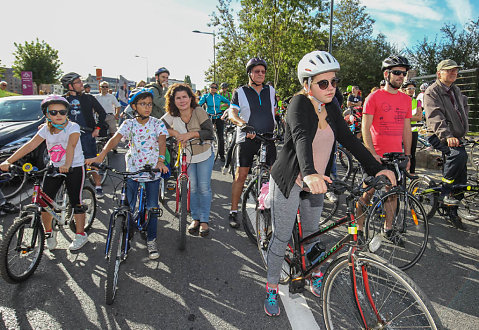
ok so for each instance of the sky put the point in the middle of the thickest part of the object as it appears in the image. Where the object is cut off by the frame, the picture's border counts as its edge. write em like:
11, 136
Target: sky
107, 34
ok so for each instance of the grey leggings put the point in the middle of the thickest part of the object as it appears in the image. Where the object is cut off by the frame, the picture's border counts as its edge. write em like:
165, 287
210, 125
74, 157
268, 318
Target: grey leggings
283, 212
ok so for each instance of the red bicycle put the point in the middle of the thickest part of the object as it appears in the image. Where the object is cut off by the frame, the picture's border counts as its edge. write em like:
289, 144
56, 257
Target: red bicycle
182, 195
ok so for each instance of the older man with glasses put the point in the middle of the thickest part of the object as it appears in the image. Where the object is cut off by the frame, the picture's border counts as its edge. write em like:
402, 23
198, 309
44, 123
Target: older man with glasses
111, 105
447, 117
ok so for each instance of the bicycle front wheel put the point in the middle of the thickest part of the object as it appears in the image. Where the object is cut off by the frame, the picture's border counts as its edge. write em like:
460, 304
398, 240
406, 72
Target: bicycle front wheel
14, 186
344, 164
386, 297
422, 189
183, 213
89, 202
404, 214
114, 259
249, 205
21, 249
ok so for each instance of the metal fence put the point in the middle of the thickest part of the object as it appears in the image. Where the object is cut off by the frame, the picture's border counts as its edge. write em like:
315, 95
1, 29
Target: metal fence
468, 82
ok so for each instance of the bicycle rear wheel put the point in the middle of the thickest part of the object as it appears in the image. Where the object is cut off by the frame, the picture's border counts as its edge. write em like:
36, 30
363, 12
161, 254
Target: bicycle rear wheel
21, 249
183, 213
410, 229
344, 164
422, 189
474, 156
398, 301
114, 258
264, 232
330, 207
88, 201
249, 205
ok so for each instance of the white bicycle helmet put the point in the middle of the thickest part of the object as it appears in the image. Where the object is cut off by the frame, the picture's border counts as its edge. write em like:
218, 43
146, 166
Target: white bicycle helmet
423, 87
315, 63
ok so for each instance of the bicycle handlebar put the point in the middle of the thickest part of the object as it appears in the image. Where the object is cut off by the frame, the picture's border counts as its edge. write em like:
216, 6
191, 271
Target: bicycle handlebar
145, 169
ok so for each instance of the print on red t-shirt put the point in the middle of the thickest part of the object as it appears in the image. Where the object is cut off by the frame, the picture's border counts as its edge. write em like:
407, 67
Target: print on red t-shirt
389, 111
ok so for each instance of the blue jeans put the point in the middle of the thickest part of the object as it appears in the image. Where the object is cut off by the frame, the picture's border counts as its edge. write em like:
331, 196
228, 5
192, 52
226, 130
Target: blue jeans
200, 189
151, 189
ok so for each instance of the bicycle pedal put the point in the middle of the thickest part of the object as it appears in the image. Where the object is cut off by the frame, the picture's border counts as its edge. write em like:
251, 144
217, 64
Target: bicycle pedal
296, 285
157, 211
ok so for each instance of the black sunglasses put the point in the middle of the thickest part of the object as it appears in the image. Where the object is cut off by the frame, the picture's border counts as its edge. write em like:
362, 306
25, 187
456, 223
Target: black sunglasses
398, 72
214, 87
104, 86
323, 84
55, 112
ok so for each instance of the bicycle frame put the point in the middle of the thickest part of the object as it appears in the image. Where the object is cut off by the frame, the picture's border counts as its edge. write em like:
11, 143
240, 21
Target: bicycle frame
183, 174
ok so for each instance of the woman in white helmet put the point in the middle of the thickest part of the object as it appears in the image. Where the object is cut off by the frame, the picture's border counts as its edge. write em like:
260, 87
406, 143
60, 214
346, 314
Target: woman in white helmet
313, 124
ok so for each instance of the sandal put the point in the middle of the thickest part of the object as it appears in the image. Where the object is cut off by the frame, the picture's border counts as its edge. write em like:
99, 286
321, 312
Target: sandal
204, 232
192, 229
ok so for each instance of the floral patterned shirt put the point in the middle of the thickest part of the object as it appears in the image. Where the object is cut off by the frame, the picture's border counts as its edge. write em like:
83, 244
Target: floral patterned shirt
143, 147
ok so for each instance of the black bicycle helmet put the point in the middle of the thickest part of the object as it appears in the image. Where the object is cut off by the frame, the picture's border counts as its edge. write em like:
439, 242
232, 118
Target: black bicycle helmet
395, 60
254, 62
54, 99
68, 79
137, 92
224, 85
161, 70
407, 83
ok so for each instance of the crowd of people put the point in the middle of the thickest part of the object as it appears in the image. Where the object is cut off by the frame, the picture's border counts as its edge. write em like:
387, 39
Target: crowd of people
314, 123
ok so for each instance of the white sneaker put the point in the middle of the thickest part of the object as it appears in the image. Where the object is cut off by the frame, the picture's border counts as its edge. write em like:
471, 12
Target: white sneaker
78, 242
152, 250
51, 239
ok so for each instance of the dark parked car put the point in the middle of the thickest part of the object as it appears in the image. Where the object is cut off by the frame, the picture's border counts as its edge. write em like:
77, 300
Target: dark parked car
20, 117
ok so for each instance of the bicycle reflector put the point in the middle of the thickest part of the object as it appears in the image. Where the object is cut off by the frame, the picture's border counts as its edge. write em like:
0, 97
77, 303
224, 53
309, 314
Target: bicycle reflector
27, 167
414, 217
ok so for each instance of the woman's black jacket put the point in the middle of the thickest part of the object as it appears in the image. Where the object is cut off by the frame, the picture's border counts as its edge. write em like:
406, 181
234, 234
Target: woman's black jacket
297, 153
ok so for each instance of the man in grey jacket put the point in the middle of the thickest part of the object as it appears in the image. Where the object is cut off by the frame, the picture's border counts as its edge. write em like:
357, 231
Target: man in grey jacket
447, 117
159, 89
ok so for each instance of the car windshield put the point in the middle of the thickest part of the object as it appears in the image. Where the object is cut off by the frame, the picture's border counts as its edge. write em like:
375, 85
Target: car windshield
20, 110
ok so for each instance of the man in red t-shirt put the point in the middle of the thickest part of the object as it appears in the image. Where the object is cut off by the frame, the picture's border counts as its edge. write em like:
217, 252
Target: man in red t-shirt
386, 127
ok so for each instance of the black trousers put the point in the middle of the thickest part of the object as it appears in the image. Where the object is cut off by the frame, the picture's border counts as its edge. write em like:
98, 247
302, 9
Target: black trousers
412, 168
455, 168
220, 127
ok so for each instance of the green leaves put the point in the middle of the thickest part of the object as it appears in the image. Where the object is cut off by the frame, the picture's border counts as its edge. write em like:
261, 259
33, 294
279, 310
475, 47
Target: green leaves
40, 58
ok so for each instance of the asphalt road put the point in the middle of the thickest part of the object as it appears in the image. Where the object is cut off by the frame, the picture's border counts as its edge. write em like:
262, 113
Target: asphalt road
217, 282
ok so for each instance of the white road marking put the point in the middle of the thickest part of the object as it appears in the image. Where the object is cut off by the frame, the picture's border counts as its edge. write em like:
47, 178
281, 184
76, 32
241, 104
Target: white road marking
297, 310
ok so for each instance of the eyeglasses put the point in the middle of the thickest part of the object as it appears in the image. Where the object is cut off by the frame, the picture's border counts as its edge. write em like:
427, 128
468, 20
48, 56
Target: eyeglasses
104, 86
398, 72
55, 112
214, 87
323, 84
149, 105
259, 71
411, 88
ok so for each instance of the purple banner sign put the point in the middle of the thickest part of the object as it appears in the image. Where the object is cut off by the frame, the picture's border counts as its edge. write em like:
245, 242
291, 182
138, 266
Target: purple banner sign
27, 83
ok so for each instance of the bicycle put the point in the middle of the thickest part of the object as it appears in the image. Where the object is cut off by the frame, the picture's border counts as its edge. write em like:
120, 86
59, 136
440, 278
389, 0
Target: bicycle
100, 143
23, 244
230, 148
260, 171
360, 290
427, 191
182, 195
473, 153
122, 223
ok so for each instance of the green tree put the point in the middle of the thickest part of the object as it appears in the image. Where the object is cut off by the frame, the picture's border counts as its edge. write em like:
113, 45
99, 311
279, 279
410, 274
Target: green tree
280, 31
359, 53
187, 80
2, 70
461, 46
40, 58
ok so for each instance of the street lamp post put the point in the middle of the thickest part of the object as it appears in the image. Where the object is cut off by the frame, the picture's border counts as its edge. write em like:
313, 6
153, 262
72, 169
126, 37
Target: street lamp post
214, 51
330, 45
147, 76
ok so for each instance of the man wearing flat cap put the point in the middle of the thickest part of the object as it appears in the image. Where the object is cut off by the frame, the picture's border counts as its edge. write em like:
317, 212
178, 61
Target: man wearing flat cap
447, 118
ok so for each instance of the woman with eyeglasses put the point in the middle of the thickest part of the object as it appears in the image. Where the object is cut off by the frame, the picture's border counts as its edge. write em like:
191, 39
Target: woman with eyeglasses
190, 125
313, 123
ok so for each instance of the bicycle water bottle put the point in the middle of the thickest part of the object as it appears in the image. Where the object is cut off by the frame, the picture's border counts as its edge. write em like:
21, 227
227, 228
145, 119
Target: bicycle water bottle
316, 252
262, 155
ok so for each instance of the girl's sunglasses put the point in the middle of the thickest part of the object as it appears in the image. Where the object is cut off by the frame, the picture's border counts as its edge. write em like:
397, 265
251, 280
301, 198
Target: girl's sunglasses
323, 84
55, 112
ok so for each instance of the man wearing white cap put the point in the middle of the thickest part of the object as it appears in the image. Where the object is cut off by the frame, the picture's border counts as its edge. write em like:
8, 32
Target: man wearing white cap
447, 117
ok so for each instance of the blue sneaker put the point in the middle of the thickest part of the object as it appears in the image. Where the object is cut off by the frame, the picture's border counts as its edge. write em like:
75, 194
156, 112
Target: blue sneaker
315, 284
271, 306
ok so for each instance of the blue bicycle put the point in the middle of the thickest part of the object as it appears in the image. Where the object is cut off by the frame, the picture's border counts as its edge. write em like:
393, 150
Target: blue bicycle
122, 224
